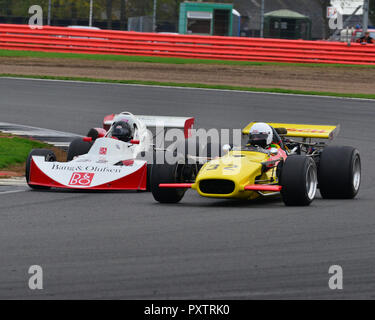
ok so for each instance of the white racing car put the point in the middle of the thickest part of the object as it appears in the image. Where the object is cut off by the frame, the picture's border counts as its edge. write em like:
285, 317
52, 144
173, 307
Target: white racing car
109, 158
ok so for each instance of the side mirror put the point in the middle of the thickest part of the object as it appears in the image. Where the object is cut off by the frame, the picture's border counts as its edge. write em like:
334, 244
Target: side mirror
226, 148
134, 141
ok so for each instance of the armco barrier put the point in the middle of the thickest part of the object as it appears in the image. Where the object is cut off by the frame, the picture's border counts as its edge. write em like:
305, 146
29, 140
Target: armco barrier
60, 39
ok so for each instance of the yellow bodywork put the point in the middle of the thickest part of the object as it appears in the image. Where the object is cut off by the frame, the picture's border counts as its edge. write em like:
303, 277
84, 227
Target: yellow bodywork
302, 130
241, 167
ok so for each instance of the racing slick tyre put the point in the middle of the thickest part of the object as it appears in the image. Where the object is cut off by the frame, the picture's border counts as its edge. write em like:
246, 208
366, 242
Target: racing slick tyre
298, 180
48, 155
78, 147
166, 173
339, 173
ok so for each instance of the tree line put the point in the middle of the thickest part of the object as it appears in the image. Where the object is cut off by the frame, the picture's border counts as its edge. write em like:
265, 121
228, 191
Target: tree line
119, 10
110, 10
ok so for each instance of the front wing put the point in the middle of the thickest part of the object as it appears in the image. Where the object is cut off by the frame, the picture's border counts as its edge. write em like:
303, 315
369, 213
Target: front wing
88, 176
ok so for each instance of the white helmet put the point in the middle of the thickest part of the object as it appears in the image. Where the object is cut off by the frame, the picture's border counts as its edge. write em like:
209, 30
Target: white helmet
261, 134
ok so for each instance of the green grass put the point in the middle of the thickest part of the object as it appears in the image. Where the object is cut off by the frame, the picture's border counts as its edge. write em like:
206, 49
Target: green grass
34, 54
201, 86
14, 150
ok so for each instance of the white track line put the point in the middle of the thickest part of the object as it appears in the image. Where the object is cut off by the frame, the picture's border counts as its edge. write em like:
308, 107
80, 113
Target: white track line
190, 88
36, 131
45, 135
11, 191
13, 182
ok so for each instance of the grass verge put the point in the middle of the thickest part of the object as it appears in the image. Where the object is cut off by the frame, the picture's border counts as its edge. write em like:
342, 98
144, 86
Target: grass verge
200, 86
108, 57
14, 150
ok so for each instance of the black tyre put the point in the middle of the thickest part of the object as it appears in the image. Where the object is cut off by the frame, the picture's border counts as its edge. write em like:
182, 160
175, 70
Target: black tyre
166, 173
93, 133
298, 180
339, 173
78, 147
49, 156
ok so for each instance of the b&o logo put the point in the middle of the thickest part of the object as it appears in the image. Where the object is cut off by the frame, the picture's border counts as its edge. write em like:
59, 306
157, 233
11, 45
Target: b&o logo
81, 179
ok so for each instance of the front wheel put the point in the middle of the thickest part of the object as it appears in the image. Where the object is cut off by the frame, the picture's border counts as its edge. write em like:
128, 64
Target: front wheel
48, 155
298, 180
166, 173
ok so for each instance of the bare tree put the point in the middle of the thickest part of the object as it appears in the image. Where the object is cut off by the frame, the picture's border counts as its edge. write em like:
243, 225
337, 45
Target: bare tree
372, 11
74, 13
6, 7
109, 13
177, 9
324, 4
123, 14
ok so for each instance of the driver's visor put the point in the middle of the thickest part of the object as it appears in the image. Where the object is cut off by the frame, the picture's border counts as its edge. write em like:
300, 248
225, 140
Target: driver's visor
258, 136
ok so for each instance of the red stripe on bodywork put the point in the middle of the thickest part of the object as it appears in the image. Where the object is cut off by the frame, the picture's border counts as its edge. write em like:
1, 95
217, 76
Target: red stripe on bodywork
39, 178
175, 185
263, 187
135, 181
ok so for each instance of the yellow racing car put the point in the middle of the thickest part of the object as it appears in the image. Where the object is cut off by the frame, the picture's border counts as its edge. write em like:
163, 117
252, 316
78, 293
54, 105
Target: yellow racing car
295, 164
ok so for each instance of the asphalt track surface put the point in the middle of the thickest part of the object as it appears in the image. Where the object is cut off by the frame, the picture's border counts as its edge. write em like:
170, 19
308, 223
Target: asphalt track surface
125, 245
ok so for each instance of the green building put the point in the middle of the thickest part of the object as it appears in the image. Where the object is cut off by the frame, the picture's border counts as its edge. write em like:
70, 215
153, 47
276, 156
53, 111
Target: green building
206, 18
287, 24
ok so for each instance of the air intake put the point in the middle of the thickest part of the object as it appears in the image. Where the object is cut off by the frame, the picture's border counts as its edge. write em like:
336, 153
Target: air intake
216, 186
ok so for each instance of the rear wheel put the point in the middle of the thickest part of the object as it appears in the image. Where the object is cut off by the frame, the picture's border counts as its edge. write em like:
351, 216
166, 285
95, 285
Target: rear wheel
77, 148
298, 180
49, 156
339, 172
